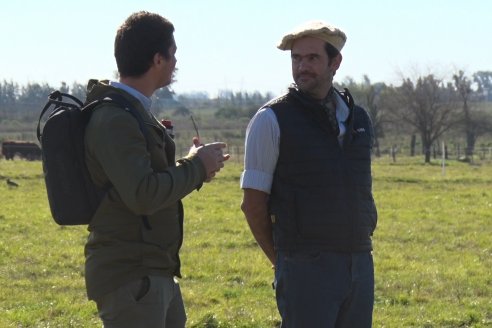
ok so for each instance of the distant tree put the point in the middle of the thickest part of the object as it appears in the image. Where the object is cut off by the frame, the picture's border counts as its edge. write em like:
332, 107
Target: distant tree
165, 99
240, 100
426, 105
464, 91
32, 97
164, 93
195, 100
235, 112
9, 92
64, 87
482, 122
368, 95
475, 122
79, 91
267, 97
484, 83
182, 110
228, 113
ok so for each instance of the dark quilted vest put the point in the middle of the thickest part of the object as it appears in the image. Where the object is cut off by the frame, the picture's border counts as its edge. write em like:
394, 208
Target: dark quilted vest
321, 196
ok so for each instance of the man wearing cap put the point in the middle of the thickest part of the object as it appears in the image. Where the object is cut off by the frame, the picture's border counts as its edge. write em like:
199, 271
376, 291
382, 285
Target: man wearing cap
308, 189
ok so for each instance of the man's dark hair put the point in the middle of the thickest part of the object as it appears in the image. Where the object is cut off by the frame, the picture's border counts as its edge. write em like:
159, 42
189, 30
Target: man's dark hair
331, 51
141, 36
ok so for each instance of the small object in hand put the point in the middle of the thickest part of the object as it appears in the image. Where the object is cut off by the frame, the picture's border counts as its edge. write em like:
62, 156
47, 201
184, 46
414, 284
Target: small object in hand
195, 126
169, 127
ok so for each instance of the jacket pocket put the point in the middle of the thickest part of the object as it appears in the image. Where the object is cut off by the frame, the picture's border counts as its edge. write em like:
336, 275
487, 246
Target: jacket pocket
165, 230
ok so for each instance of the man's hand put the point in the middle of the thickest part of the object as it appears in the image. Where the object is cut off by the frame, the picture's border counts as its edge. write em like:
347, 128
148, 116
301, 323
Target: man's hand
211, 155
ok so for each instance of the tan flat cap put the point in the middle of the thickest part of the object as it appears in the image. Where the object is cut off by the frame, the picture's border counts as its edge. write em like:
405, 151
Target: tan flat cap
317, 29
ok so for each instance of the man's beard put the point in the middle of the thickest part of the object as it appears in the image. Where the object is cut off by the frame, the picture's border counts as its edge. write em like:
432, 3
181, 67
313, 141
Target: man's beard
308, 85
314, 84
173, 76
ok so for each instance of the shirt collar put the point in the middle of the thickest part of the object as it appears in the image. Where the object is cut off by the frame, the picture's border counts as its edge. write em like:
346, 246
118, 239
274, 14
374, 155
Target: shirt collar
144, 100
342, 108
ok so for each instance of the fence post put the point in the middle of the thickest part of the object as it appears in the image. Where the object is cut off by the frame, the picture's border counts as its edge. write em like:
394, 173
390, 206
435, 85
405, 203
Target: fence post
443, 159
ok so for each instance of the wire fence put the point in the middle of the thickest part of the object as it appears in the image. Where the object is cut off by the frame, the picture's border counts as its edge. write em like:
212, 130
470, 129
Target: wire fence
449, 153
455, 153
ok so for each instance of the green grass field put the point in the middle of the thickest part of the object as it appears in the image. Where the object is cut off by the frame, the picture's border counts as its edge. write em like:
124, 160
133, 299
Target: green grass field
433, 252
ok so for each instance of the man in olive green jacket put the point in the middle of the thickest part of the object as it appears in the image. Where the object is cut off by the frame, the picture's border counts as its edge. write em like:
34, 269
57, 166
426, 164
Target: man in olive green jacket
135, 235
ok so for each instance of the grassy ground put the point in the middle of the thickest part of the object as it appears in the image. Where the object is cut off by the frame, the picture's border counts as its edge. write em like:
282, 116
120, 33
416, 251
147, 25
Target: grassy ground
432, 253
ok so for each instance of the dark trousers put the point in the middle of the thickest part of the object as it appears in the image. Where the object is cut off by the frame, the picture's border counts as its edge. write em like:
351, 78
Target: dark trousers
325, 289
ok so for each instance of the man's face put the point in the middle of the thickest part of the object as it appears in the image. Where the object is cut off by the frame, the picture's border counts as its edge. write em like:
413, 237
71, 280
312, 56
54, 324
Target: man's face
311, 68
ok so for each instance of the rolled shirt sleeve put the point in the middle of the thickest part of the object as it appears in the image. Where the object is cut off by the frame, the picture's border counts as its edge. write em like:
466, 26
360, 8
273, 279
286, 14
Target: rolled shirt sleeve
261, 151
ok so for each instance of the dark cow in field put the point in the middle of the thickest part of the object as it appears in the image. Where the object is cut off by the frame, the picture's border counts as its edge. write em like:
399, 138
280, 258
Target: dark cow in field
27, 150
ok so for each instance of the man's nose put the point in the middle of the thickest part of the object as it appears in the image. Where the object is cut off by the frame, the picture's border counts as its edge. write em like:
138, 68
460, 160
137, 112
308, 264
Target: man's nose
302, 65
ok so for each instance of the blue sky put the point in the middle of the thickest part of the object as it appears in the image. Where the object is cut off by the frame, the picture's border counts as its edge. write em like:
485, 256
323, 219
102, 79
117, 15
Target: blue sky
231, 44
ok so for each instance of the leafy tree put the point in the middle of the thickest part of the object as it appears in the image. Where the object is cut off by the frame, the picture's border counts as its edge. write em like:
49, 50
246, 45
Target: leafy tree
182, 110
464, 90
474, 122
165, 98
32, 97
64, 87
164, 93
368, 95
484, 82
79, 91
9, 92
426, 105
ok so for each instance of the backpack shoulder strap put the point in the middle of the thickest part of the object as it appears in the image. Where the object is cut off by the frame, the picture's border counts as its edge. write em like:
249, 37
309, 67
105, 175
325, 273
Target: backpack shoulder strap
124, 103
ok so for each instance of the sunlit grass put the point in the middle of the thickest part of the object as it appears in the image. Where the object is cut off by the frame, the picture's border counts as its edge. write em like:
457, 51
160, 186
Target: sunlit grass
432, 252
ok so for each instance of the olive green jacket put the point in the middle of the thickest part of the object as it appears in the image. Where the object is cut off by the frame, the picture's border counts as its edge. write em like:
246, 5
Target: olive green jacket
138, 227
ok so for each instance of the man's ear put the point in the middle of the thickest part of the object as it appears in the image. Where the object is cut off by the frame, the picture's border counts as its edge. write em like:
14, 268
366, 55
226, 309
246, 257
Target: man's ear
158, 58
335, 62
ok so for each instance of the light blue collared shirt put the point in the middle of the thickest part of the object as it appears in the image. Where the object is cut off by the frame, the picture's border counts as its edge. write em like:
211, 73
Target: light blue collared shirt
146, 101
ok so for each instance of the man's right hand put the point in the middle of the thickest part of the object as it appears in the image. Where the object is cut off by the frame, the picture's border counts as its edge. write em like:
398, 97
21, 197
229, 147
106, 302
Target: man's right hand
211, 155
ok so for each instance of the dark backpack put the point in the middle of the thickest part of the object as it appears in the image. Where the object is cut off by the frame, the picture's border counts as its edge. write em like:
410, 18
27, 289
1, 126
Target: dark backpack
72, 195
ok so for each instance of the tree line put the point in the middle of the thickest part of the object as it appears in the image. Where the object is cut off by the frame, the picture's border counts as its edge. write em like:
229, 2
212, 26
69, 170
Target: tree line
430, 108
422, 110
